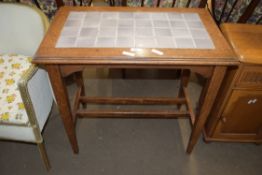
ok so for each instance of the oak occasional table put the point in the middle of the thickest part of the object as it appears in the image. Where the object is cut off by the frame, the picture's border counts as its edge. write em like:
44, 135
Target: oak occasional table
125, 37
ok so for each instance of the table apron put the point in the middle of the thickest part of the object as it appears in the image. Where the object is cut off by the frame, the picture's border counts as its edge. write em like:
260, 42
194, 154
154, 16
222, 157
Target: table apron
205, 71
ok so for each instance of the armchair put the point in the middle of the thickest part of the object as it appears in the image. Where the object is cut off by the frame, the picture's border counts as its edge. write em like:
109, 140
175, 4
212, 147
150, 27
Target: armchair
26, 98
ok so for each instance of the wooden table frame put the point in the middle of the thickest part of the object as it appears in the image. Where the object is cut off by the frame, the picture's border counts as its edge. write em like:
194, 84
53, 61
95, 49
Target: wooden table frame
61, 62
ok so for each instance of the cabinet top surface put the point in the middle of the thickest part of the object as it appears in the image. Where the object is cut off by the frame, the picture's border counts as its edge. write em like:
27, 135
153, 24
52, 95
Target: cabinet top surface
210, 48
246, 40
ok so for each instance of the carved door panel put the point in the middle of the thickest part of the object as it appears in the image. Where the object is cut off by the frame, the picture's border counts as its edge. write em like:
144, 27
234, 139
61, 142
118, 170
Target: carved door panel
242, 116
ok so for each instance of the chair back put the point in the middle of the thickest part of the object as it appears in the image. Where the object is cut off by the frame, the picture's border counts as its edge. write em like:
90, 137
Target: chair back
238, 11
160, 3
60, 3
22, 28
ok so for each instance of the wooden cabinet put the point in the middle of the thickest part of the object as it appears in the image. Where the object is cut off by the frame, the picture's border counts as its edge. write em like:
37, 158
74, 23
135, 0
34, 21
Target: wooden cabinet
237, 113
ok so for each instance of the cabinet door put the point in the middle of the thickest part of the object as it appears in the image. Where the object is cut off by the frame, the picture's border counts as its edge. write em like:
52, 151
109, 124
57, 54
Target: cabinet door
242, 117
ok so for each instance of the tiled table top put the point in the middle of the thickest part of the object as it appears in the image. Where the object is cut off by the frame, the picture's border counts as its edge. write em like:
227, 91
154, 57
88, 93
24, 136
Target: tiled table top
134, 30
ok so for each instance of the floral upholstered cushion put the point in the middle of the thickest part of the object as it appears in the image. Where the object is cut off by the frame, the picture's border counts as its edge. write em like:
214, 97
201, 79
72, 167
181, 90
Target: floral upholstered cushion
12, 109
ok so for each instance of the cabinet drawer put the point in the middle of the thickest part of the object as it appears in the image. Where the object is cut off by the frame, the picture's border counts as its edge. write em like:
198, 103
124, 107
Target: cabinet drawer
250, 76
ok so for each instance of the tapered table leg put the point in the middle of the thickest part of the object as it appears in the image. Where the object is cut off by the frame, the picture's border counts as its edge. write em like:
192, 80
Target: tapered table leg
185, 75
80, 83
63, 104
208, 101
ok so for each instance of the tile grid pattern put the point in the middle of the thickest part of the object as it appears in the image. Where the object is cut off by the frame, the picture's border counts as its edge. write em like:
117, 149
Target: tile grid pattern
134, 29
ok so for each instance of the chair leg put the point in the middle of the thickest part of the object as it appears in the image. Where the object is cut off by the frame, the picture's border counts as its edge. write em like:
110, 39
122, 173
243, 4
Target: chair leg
41, 147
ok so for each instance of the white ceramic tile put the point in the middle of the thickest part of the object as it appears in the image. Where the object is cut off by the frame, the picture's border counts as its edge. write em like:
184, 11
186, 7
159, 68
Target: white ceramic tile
65, 45
175, 16
105, 42
129, 32
195, 24
145, 42
181, 33
141, 15
204, 44
161, 23
165, 42
126, 23
163, 32
126, 15
198, 33
107, 32
105, 39
191, 17
85, 32
143, 23
124, 42
91, 23
76, 15
109, 15
73, 23
144, 32
70, 31
85, 42
124, 39
93, 16
184, 43
178, 24
159, 16
66, 42
108, 23
134, 29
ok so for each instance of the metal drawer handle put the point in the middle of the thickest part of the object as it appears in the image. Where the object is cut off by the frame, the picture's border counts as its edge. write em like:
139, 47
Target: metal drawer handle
252, 101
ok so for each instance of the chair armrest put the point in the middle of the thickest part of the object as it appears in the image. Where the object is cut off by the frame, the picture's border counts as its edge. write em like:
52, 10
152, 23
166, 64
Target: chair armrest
36, 94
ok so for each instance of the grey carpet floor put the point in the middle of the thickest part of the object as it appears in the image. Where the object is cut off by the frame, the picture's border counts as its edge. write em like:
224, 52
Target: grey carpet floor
130, 146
